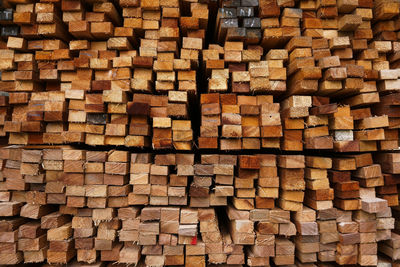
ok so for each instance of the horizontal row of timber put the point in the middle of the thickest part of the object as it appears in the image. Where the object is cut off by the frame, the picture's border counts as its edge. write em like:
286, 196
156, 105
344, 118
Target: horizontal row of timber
61, 204
290, 75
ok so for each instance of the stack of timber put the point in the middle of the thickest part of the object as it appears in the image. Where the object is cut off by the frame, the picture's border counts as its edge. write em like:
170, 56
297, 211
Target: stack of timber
349, 239
391, 247
234, 122
32, 241
328, 234
161, 183
61, 248
307, 240
389, 190
158, 98
319, 193
214, 180
347, 191
292, 183
82, 204
238, 20
78, 87
293, 111
9, 233
280, 21
316, 135
170, 118
6, 22
245, 192
249, 69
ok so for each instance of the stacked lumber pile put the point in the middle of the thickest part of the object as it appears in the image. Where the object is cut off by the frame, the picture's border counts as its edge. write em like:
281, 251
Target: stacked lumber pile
32, 241
92, 67
122, 125
9, 234
244, 122
238, 20
249, 69
94, 205
319, 193
171, 124
328, 234
292, 183
307, 242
